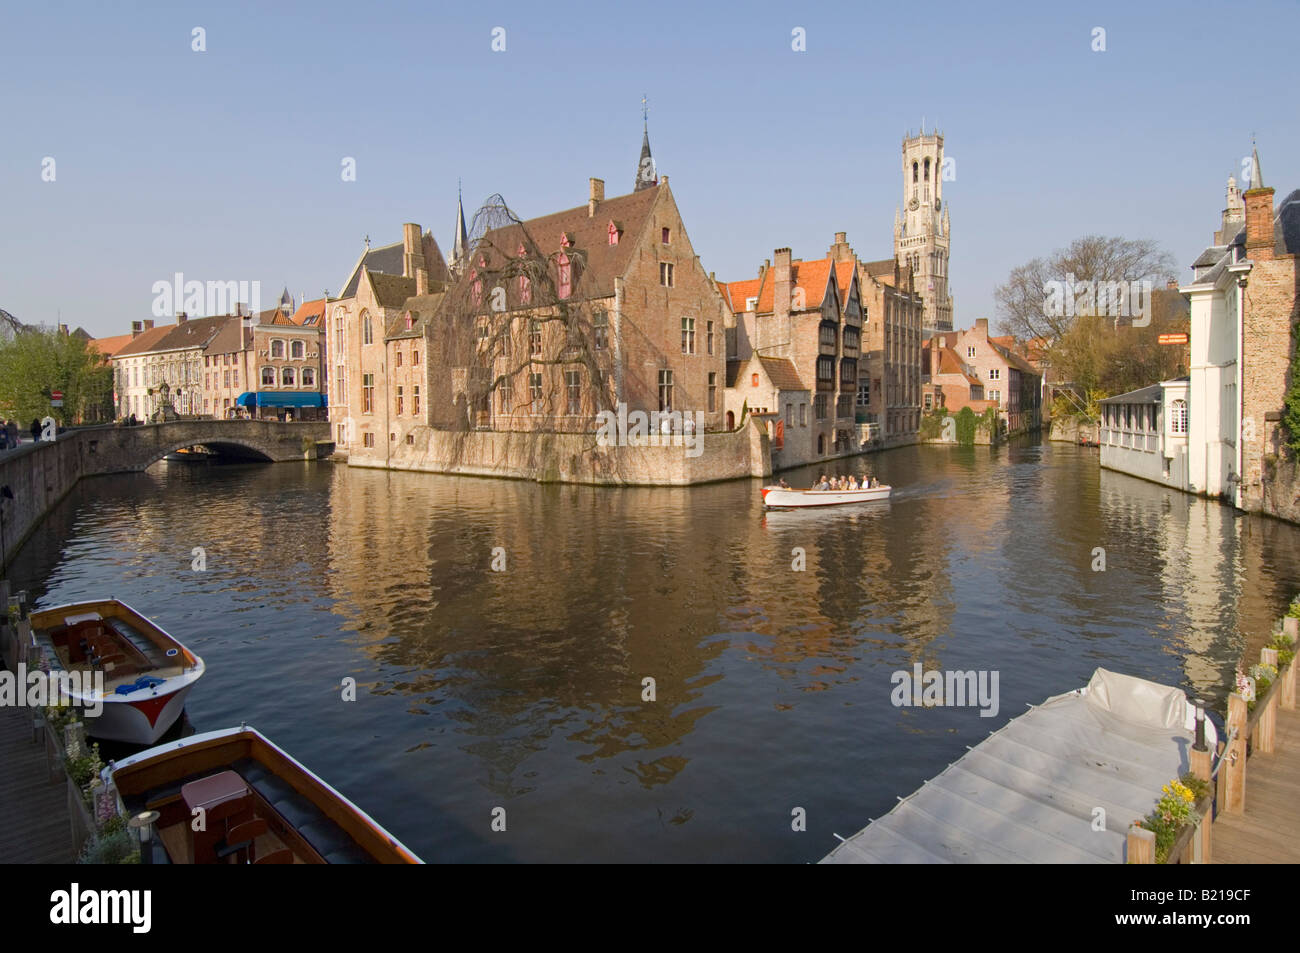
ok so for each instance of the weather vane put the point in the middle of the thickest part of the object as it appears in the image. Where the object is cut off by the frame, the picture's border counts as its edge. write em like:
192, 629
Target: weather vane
645, 110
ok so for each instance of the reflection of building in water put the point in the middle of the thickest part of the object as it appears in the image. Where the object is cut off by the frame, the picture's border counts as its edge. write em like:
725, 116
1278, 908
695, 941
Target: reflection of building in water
1193, 546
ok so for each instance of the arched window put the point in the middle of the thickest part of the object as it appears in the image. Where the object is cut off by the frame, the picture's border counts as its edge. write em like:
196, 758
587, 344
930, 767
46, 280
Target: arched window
367, 333
309, 377
288, 377
296, 350
915, 171
1178, 417
277, 349
268, 377
821, 443
927, 169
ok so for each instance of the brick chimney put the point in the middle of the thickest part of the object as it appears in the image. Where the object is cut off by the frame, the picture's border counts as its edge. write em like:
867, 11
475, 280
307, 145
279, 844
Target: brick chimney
781, 283
148, 324
136, 328
982, 326
412, 253
181, 317
1259, 224
595, 196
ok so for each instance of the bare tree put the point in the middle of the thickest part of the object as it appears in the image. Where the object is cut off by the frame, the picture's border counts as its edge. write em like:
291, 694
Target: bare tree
1024, 300
517, 329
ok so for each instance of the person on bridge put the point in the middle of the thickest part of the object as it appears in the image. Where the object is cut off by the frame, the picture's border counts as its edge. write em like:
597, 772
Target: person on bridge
36, 430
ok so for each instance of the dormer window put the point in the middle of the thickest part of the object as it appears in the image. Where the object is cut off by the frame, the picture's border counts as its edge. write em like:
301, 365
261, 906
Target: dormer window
613, 233
566, 276
410, 321
664, 235
565, 240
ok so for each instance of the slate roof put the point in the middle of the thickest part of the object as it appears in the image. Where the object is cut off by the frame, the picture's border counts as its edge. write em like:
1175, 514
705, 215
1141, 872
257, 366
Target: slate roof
228, 338
1143, 395
196, 332
386, 259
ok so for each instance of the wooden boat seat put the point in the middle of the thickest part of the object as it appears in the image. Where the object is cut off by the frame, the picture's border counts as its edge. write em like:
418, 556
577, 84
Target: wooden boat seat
325, 837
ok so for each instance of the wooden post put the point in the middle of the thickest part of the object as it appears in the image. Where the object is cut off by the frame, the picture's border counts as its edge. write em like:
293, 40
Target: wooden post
1141, 845
24, 628
1266, 727
1233, 770
1291, 628
1203, 837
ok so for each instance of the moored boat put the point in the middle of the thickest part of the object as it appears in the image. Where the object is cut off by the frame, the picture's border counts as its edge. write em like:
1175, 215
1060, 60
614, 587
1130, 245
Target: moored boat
260, 806
146, 673
780, 497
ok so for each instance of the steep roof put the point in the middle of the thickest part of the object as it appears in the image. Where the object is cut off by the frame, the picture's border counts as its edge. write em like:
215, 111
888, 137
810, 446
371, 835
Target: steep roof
229, 337
1143, 395
782, 373
422, 308
391, 291
950, 363
589, 237
385, 259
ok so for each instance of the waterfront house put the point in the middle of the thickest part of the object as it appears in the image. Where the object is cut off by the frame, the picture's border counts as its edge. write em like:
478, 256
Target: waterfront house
771, 388
1010, 380
1144, 433
949, 382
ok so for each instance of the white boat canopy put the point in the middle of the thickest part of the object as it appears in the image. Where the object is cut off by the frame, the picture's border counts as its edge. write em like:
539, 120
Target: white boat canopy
1029, 792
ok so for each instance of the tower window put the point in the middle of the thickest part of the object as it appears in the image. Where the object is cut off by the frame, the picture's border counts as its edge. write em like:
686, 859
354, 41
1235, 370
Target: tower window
915, 171
927, 170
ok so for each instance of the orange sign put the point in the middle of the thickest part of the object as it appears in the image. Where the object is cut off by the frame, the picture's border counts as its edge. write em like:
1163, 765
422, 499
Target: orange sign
1173, 339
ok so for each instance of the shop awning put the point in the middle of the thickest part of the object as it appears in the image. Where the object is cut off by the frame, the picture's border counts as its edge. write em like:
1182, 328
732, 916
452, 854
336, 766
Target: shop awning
271, 398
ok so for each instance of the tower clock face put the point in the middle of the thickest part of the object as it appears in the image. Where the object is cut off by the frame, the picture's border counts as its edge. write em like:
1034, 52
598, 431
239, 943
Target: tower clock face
937, 205
914, 204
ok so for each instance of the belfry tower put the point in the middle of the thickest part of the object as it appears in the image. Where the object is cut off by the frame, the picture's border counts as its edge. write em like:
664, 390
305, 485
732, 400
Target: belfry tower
921, 227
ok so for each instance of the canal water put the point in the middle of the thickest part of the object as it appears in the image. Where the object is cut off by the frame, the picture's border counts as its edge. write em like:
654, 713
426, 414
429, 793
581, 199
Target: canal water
524, 687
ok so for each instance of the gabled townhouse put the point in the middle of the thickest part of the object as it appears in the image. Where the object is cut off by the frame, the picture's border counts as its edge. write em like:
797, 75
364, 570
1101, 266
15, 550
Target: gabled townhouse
1009, 380
595, 308
949, 382
889, 387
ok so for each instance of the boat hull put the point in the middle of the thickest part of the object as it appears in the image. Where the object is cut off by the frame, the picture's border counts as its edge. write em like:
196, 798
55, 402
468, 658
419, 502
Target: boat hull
781, 498
127, 713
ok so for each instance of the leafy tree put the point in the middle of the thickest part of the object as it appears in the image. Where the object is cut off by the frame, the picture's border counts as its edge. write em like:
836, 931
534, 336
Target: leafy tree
37, 361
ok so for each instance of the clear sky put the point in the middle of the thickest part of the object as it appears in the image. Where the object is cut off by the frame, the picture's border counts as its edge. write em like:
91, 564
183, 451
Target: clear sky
226, 164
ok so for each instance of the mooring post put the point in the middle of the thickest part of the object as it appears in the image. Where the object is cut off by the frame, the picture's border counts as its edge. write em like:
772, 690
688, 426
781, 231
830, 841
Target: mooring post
1265, 728
1141, 845
1199, 761
1233, 769
1291, 629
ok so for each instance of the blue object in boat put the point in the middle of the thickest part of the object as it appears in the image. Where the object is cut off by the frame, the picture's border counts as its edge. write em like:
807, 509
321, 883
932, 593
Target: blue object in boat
144, 681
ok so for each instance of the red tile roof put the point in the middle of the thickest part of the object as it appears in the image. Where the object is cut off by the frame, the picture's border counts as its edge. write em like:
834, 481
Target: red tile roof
310, 309
145, 340
109, 346
782, 373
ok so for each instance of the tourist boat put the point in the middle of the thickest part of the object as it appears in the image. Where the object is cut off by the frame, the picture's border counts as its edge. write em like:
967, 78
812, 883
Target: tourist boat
779, 497
188, 455
260, 806
146, 673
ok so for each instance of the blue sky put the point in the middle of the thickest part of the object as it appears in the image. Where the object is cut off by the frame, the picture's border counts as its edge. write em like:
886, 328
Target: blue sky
225, 164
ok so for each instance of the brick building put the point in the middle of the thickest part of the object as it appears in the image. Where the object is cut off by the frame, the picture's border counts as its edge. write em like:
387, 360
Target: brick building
889, 387
1010, 381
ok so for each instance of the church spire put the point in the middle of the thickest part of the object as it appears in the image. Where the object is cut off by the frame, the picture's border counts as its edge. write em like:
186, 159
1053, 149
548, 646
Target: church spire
460, 244
1256, 175
646, 176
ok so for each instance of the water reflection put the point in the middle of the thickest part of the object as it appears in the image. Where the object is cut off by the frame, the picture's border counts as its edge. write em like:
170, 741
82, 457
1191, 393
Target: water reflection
525, 688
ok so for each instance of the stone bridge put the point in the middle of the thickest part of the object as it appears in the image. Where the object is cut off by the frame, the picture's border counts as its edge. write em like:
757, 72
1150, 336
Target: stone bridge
113, 449
37, 476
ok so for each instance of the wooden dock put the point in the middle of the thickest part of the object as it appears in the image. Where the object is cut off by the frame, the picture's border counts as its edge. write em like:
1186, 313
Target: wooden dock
36, 828
1265, 833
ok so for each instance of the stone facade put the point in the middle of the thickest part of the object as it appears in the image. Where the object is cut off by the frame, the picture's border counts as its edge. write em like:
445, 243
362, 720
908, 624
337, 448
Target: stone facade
922, 228
889, 387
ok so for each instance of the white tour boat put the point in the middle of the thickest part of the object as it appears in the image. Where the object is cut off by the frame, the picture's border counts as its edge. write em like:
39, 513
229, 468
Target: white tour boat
779, 497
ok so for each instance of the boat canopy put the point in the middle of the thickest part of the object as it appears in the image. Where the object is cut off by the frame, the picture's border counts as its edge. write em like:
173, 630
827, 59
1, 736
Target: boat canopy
287, 398
1029, 792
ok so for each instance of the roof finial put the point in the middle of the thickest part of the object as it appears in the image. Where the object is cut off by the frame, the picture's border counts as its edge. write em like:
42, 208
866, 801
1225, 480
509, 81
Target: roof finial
645, 113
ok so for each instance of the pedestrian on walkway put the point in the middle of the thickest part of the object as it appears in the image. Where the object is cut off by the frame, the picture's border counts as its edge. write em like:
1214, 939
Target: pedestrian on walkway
36, 430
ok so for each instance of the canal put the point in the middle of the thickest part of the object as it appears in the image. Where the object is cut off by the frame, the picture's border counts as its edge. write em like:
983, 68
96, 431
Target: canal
524, 686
